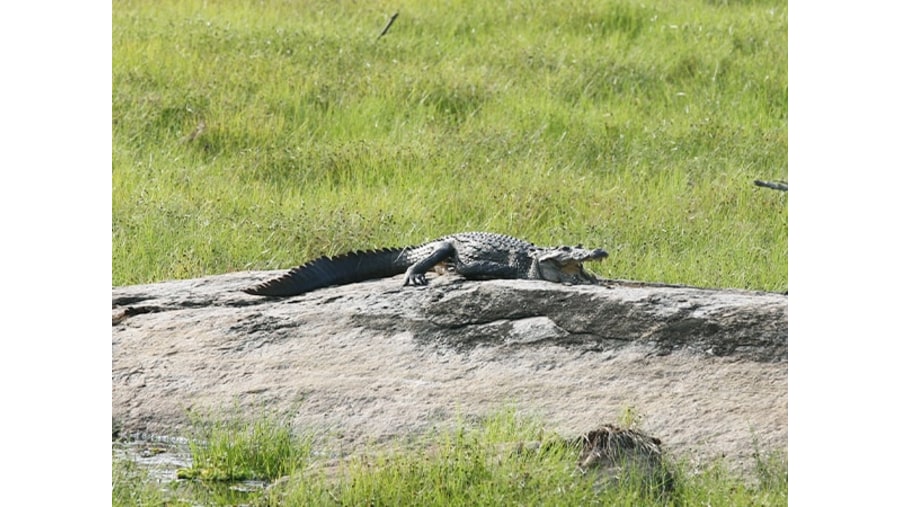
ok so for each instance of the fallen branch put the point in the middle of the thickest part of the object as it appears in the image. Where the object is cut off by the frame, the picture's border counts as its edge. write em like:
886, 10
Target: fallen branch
387, 26
779, 185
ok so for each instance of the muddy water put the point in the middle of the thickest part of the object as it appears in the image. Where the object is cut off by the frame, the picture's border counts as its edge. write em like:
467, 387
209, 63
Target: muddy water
161, 457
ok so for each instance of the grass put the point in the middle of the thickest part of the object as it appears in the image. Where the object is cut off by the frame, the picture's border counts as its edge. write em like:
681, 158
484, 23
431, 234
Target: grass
257, 135
240, 450
132, 486
260, 134
476, 463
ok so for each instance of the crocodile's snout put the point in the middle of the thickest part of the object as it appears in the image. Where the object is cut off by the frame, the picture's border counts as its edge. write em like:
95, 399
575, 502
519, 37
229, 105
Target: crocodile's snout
599, 254
589, 255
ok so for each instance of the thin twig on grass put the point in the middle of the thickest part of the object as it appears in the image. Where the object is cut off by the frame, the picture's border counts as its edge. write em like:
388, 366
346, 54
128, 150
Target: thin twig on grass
387, 26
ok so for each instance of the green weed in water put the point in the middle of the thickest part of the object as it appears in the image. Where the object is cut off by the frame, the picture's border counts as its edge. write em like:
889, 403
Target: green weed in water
238, 450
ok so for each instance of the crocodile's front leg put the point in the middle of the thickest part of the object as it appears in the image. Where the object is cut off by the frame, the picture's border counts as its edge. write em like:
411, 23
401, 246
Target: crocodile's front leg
415, 275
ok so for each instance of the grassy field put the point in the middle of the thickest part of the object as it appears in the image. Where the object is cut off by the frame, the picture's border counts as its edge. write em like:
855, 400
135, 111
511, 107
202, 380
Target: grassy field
260, 134
477, 463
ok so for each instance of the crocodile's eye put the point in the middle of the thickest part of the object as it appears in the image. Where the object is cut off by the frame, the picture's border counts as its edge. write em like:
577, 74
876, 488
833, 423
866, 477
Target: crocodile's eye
565, 248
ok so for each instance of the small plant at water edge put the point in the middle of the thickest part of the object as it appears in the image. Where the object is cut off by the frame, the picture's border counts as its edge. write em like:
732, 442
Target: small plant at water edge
239, 450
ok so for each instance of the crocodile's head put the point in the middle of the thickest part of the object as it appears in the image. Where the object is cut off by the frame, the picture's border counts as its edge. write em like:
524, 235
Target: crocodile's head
563, 264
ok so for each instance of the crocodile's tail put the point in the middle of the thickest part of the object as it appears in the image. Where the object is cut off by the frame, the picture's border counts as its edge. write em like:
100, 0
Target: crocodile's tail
326, 271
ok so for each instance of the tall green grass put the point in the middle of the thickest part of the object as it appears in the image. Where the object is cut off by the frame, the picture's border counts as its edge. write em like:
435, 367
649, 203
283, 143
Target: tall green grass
240, 449
258, 134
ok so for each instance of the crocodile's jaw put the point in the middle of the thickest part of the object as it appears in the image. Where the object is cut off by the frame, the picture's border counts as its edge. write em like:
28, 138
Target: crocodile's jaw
571, 273
575, 274
564, 264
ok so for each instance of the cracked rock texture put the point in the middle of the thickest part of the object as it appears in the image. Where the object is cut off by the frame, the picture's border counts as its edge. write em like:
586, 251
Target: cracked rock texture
706, 370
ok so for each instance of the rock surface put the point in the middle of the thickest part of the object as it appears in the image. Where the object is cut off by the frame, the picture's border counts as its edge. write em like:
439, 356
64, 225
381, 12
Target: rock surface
706, 370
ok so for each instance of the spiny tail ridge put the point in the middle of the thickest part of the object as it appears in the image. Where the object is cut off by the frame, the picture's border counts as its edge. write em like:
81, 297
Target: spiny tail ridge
339, 270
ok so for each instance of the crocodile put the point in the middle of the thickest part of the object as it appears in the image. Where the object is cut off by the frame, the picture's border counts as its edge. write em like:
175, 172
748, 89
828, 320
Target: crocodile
472, 255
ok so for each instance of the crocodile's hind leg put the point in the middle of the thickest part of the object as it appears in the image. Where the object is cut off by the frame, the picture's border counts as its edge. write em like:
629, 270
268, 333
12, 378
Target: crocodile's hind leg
415, 275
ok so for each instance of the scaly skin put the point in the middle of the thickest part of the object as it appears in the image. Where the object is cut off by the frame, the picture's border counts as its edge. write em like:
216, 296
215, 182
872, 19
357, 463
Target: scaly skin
473, 255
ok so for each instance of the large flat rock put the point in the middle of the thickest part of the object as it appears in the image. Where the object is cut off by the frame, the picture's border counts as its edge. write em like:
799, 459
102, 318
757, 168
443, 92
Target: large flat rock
706, 369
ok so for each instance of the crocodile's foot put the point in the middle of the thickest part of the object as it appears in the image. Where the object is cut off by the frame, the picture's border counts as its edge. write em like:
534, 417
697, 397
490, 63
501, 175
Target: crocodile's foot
414, 279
